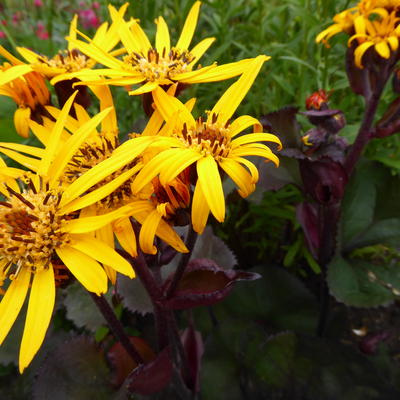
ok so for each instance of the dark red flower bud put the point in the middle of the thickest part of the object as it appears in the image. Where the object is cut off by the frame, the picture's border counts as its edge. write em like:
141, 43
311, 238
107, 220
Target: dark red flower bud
318, 100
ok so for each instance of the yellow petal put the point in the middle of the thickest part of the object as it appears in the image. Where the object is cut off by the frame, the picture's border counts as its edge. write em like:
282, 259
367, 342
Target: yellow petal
126, 235
359, 52
106, 235
242, 123
72, 30
256, 137
200, 210
100, 193
40, 309
382, 49
101, 252
90, 224
28, 162
148, 231
53, 143
87, 270
231, 99
163, 42
198, 50
72, 145
256, 151
394, 42
23, 148
147, 87
239, 175
182, 159
210, 181
189, 27
13, 73
12, 302
21, 121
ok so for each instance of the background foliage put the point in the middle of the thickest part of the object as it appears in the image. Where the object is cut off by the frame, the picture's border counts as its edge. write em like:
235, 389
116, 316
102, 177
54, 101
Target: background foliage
260, 342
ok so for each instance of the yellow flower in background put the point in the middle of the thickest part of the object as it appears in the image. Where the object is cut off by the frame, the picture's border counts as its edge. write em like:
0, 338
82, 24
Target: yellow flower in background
72, 60
36, 233
210, 145
383, 35
28, 90
152, 66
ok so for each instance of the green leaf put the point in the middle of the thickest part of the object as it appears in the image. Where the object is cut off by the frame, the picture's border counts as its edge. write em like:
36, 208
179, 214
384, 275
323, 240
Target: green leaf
361, 284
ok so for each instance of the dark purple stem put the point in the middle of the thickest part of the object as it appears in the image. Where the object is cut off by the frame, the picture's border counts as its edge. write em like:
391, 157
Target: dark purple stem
116, 327
183, 262
365, 132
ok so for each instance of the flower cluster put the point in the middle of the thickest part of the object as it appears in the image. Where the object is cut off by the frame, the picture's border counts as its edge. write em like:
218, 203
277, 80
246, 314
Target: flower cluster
372, 24
84, 192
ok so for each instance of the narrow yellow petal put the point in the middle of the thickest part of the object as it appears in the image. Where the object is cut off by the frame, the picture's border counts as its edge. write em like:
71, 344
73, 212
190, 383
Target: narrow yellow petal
53, 143
394, 42
146, 88
139, 38
189, 27
72, 30
72, 145
182, 159
250, 166
148, 232
126, 235
106, 235
239, 175
256, 137
211, 185
28, 162
255, 151
101, 252
169, 105
242, 123
21, 121
218, 73
87, 270
13, 73
200, 210
359, 52
230, 100
166, 233
23, 148
100, 193
12, 302
126, 153
40, 309
200, 48
90, 224
163, 42
382, 49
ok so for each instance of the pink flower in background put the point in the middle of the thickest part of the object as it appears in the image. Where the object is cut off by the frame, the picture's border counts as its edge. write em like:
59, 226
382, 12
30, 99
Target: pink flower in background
16, 18
2, 35
89, 18
41, 31
38, 3
96, 5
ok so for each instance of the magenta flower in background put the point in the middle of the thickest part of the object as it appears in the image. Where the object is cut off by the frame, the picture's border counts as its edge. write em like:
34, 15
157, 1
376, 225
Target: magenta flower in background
89, 18
41, 31
38, 3
2, 35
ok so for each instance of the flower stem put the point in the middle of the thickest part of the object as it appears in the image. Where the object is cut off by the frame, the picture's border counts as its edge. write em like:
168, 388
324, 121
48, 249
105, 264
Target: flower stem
116, 327
183, 262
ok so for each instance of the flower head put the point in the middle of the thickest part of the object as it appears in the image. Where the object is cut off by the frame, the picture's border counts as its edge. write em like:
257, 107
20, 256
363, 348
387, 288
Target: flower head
210, 145
150, 65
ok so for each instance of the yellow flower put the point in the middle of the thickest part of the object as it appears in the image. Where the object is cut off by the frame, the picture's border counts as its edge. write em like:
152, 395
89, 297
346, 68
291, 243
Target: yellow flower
383, 34
72, 60
114, 178
153, 66
211, 145
27, 89
37, 235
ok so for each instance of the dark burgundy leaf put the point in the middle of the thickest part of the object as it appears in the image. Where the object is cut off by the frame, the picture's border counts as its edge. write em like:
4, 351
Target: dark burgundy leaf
307, 216
122, 364
324, 180
283, 123
205, 283
194, 349
370, 343
152, 377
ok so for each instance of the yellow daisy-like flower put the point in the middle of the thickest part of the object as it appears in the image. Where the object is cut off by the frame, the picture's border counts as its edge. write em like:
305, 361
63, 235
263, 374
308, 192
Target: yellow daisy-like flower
152, 66
210, 145
382, 34
114, 178
72, 60
37, 234
27, 89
